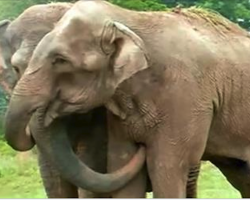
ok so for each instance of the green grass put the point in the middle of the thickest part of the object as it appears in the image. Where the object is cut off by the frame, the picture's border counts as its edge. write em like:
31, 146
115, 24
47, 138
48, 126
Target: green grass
19, 175
19, 178
212, 184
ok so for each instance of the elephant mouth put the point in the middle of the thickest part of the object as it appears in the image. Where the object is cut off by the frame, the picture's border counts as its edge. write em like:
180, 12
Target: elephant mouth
63, 110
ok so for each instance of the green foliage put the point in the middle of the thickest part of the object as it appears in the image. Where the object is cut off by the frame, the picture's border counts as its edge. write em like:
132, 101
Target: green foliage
4, 148
236, 10
141, 5
3, 107
10, 9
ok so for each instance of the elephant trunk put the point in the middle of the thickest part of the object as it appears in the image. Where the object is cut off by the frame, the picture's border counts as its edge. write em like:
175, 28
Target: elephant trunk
29, 107
54, 143
15, 124
27, 96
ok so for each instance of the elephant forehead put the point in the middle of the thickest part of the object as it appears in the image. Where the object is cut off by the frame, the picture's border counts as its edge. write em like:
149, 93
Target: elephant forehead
83, 15
75, 24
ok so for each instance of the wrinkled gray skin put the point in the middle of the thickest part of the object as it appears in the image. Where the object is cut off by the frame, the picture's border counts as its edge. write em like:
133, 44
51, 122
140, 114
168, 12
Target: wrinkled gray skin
171, 83
87, 132
24, 33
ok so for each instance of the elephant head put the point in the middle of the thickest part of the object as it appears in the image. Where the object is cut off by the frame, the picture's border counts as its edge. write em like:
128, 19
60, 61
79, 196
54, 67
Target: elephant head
42, 90
19, 38
76, 74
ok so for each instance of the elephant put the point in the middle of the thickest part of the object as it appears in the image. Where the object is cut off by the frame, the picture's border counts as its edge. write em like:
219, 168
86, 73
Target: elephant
86, 132
7, 79
176, 82
29, 36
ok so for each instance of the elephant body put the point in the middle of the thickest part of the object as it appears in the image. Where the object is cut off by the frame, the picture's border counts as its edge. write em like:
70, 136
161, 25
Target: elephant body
87, 133
175, 82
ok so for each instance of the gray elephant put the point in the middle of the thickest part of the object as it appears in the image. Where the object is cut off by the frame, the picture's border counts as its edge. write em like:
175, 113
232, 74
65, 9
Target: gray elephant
28, 35
175, 82
17, 54
87, 132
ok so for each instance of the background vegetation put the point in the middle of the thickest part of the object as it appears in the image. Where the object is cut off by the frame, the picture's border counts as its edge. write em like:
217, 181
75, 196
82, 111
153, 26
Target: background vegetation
19, 176
236, 10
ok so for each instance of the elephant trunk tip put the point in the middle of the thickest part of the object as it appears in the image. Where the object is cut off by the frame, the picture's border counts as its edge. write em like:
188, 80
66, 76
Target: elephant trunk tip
18, 141
22, 145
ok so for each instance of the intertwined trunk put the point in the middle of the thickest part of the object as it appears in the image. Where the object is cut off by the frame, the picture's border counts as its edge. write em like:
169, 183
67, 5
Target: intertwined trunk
54, 144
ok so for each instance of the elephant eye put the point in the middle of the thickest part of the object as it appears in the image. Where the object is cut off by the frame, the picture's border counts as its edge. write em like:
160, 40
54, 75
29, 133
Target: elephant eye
61, 64
59, 61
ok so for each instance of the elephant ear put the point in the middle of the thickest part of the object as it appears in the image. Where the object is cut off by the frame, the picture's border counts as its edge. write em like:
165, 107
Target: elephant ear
21, 57
126, 50
6, 50
3, 26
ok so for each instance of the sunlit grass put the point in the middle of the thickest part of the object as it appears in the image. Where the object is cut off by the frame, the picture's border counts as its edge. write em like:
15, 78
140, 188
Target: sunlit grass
19, 178
212, 184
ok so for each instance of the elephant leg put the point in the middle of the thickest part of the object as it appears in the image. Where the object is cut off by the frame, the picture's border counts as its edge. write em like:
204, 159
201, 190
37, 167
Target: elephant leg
237, 173
170, 164
193, 175
120, 152
55, 186
167, 176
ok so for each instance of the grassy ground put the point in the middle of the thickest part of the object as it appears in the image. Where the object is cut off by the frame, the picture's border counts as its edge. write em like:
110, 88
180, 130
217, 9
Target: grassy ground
19, 178
212, 184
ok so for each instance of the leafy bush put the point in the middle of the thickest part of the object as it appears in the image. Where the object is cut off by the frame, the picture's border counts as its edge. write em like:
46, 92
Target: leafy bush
3, 107
142, 5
